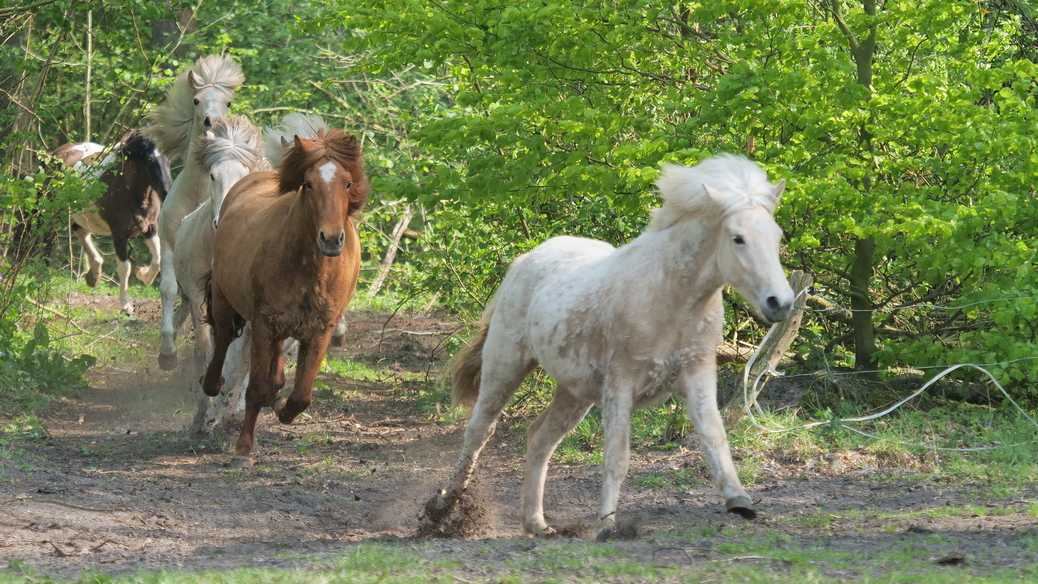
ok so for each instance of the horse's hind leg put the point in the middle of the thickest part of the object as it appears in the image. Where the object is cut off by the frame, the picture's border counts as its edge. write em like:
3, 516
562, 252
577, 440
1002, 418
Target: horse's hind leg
168, 289
505, 364
123, 256
93, 256
701, 405
258, 393
543, 436
146, 274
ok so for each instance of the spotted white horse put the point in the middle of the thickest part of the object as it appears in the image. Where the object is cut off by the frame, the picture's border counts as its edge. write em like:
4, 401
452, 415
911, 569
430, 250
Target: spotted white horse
198, 98
625, 328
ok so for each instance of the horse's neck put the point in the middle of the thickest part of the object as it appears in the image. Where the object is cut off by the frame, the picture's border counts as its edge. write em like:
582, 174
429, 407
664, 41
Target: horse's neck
679, 262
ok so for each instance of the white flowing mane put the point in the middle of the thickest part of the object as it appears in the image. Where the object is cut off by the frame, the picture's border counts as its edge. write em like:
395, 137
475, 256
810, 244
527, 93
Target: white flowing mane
294, 124
234, 137
683, 189
173, 122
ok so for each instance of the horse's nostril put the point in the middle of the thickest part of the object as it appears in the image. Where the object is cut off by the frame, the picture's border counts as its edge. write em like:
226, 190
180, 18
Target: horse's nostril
321, 237
772, 302
207, 122
342, 237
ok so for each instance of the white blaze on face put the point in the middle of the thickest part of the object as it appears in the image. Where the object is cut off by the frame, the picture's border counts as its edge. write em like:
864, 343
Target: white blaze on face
327, 172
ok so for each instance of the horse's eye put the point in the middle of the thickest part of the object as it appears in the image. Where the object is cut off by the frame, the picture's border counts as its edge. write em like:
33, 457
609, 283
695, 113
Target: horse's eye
738, 240
228, 104
196, 101
349, 184
307, 185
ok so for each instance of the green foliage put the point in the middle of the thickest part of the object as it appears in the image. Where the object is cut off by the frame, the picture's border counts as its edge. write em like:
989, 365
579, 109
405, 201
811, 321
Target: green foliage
36, 371
560, 109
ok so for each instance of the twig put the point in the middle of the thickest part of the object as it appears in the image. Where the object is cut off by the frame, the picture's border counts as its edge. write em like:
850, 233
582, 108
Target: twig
56, 313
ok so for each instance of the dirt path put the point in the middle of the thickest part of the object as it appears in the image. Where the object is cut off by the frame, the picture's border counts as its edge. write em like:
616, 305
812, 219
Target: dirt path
119, 484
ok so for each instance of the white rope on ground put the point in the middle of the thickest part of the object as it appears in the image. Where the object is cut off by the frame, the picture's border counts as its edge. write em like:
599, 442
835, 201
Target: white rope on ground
842, 422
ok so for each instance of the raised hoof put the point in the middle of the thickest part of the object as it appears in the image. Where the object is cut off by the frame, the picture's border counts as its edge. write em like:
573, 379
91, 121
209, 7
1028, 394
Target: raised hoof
168, 362
240, 462
214, 391
92, 278
145, 275
741, 506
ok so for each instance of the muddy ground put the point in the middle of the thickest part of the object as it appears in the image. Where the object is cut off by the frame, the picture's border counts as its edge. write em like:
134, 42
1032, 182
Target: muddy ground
118, 483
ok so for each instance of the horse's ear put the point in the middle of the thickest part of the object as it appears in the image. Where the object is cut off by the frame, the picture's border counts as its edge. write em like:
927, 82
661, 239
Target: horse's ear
194, 80
714, 194
284, 143
298, 142
778, 190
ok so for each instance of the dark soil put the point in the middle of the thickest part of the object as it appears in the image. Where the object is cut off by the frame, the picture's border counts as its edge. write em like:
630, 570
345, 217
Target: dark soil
119, 483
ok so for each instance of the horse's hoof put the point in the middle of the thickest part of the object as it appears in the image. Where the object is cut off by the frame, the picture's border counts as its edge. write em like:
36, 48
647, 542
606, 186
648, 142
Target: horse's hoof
128, 311
211, 392
240, 462
168, 362
92, 278
338, 341
741, 506
438, 507
281, 409
607, 534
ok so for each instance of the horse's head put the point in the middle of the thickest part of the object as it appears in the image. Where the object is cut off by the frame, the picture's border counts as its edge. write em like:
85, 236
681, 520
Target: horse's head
329, 176
143, 164
748, 254
227, 153
212, 102
733, 194
213, 80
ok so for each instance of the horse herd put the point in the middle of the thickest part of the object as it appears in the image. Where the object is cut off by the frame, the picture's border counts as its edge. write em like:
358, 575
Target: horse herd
257, 237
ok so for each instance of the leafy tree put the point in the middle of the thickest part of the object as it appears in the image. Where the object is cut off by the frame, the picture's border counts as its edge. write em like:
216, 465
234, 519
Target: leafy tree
906, 132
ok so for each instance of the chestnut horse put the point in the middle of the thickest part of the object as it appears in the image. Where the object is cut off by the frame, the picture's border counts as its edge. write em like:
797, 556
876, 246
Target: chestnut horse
198, 98
625, 328
286, 258
136, 177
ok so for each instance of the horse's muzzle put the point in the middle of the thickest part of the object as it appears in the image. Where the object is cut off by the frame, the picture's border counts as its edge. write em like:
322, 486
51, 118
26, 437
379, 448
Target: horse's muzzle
775, 310
331, 247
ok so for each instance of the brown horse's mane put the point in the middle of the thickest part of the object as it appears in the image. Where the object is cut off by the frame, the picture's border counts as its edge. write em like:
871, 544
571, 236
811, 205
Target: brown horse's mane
335, 145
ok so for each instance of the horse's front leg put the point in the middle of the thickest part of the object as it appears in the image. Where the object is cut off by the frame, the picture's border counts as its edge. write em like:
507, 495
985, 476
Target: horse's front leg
123, 256
168, 290
310, 355
617, 402
700, 390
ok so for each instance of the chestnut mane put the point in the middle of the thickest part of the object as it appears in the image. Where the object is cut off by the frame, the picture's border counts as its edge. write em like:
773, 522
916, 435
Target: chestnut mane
332, 145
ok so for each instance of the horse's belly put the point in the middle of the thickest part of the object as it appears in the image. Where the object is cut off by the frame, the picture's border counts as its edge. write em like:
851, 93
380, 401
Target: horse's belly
91, 220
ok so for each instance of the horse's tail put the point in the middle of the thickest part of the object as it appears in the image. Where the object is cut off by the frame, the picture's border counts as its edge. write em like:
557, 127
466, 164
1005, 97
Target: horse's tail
206, 282
465, 369
207, 300
466, 366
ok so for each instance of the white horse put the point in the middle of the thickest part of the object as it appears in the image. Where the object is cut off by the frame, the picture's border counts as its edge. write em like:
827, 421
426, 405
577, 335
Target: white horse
276, 140
198, 98
224, 154
625, 328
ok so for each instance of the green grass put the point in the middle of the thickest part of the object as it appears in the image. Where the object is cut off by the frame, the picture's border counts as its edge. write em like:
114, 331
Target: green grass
729, 558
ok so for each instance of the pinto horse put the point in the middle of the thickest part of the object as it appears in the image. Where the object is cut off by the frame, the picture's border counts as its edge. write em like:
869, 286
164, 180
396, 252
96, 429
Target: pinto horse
286, 258
625, 328
198, 98
136, 177
226, 153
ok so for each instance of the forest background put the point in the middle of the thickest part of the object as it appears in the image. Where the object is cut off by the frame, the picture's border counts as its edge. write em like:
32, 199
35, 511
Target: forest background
906, 132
